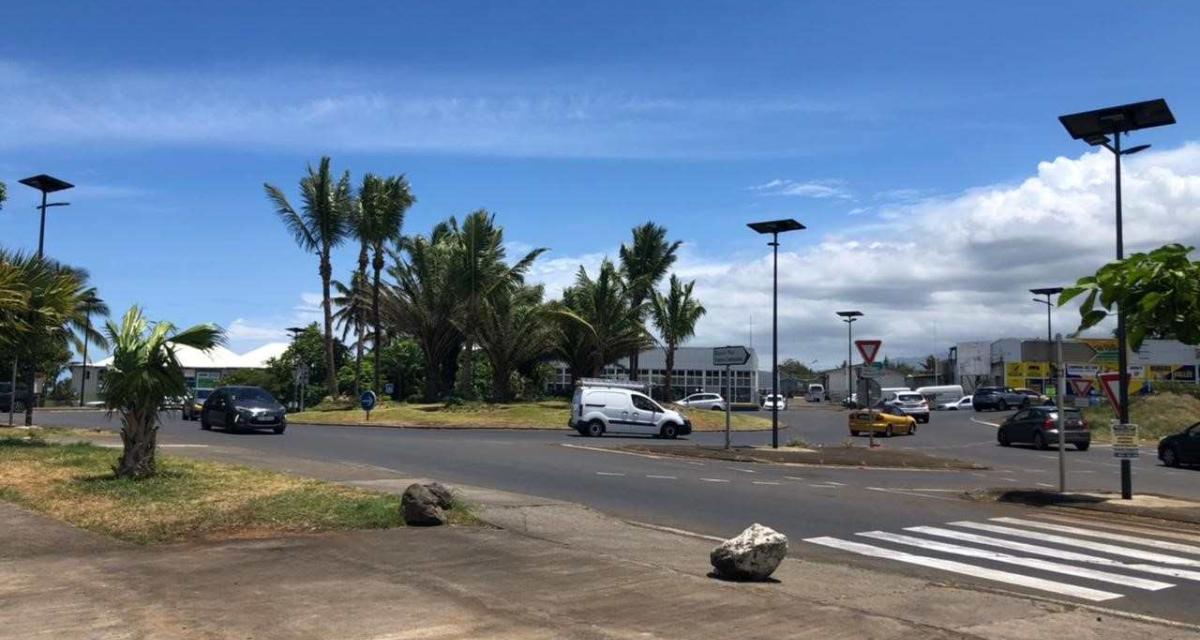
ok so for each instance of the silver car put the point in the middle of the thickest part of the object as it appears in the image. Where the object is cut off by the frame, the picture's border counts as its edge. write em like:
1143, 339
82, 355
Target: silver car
703, 401
911, 403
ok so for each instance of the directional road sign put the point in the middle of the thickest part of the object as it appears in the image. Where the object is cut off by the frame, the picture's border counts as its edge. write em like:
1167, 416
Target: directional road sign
730, 356
868, 349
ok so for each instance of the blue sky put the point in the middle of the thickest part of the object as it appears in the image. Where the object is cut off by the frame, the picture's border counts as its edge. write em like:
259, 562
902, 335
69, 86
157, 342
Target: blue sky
573, 122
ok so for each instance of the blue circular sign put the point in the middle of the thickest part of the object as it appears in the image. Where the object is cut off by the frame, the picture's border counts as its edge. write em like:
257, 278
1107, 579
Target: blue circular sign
368, 400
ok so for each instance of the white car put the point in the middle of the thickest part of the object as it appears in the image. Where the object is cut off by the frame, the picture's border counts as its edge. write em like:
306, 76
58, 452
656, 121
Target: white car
964, 403
601, 408
772, 401
703, 401
911, 403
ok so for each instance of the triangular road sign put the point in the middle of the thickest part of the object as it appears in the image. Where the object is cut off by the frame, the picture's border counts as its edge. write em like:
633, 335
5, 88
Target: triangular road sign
1082, 386
868, 349
1110, 384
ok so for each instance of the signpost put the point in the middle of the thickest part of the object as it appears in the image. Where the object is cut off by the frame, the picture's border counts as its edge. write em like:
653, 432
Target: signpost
368, 400
1109, 384
868, 349
1082, 387
729, 357
1062, 417
1125, 441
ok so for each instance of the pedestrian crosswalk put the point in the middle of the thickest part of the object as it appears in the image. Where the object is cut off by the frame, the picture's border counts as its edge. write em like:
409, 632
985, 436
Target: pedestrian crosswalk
1078, 559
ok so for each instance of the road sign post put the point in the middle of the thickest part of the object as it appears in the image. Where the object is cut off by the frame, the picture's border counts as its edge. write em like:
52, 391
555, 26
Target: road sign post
368, 400
1125, 441
868, 349
728, 401
729, 357
1062, 436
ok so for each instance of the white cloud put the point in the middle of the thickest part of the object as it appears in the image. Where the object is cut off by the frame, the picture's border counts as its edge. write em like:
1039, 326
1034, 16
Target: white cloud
810, 189
249, 333
240, 330
948, 269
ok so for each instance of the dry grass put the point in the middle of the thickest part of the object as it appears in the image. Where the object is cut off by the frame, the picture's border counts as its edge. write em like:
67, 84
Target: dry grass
1157, 415
546, 414
187, 500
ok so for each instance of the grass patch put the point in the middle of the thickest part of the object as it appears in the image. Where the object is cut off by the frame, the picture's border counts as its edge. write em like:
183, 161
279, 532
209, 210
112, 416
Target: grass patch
1157, 416
545, 414
187, 500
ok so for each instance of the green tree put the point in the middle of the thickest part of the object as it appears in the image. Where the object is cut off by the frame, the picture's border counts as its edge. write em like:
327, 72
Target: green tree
3, 194
515, 332
404, 366
795, 369
321, 224
597, 324
144, 371
643, 264
675, 316
1159, 292
353, 314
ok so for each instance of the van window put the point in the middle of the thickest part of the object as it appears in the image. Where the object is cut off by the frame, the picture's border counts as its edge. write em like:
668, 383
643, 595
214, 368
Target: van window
644, 403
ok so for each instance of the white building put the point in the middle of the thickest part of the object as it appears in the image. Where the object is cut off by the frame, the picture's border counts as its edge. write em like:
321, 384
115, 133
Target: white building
694, 372
203, 370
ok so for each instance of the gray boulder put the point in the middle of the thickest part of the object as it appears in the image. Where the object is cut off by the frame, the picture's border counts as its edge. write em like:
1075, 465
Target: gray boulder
445, 497
420, 507
753, 555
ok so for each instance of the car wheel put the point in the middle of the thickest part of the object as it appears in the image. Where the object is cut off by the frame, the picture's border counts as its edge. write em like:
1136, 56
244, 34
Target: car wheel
279, 430
715, 408
1169, 457
912, 428
594, 429
204, 423
1083, 446
669, 431
1002, 438
889, 433
1039, 441
1004, 405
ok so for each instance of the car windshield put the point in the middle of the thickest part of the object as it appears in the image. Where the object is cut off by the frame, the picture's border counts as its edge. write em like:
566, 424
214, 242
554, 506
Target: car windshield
251, 394
909, 397
203, 394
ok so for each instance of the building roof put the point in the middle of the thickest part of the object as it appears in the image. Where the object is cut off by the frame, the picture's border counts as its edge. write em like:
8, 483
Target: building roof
257, 358
218, 357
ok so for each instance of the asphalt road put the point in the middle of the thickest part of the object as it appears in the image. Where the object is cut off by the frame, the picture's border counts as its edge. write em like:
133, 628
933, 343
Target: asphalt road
720, 499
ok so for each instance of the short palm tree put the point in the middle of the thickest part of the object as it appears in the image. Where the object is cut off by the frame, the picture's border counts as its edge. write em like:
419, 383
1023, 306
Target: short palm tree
514, 331
643, 265
598, 324
675, 316
144, 371
321, 224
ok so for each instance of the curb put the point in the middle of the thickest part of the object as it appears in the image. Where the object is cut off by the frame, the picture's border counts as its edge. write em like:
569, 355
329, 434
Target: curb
450, 427
1082, 503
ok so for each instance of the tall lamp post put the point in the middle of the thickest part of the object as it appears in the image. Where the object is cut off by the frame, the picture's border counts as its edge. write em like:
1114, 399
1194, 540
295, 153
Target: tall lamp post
295, 333
47, 185
775, 227
1048, 291
1095, 127
849, 317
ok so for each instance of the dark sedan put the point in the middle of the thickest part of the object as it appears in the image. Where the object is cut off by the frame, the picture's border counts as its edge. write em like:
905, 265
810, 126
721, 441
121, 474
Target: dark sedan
1039, 426
1181, 448
241, 409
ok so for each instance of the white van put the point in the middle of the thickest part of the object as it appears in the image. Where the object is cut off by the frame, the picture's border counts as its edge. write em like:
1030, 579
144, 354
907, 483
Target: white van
943, 394
600, 407
816, 392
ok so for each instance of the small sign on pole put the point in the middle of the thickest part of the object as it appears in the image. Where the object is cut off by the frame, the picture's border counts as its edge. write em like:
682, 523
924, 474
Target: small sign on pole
873, 370
868, 349
368, 400
1081, 386
1125, 441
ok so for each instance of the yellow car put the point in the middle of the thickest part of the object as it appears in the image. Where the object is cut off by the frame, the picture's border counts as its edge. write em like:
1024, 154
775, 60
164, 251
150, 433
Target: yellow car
887, 421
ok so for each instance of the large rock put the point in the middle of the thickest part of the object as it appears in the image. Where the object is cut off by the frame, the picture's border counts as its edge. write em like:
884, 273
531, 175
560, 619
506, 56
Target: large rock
753, 555
420, 507
445, 497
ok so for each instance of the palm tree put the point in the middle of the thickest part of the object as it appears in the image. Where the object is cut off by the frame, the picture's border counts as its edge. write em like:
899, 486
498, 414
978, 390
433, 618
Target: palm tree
90, 304
319, 226
353, 314
675, 316
379, 218
513, 331
598, 324
3, 194
643, 265
144, 371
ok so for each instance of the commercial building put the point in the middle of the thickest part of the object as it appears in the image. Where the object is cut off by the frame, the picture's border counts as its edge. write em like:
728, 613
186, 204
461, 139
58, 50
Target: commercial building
202, 370
694, 372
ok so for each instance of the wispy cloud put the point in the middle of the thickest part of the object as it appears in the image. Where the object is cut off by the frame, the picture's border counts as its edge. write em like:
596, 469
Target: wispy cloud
810, 189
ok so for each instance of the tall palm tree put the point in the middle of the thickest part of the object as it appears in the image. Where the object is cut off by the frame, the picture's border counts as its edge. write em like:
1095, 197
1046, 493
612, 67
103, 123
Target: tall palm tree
353, 313
598, 325
3, 194
144, 371
643, 265
320, 225
513, 331
379, 219
90, 304
675, 316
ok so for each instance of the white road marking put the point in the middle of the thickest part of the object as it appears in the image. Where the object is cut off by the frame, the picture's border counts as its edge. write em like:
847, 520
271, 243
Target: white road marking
663, 477
962, 568
765, 483
1031, 563
712, 480
986, 423
796, 478
1044, 484
823, 486
1091, 533
910, 493
840, 484
1144, 530
742, 470
608, 473
1056, 553
1087, 544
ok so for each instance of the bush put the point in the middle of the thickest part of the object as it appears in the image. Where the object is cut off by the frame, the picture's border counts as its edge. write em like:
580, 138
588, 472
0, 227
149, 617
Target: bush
1157, 415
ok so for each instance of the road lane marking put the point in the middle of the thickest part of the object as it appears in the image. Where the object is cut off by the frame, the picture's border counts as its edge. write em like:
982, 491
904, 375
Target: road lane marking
765, 483
1144, 530
712, 480
796, 478
963, 568
1057, 554
910, 493
1029, 563
1092, 533
663, 477
986, 423
823, 486
1087, 544
742, 470
840, 484
608, 473
1043, 484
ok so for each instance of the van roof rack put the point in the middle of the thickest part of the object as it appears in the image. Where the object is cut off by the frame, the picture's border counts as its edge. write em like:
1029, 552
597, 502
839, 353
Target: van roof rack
613, 384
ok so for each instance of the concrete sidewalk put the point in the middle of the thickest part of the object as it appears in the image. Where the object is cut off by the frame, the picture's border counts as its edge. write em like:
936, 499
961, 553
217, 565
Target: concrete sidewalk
554, 570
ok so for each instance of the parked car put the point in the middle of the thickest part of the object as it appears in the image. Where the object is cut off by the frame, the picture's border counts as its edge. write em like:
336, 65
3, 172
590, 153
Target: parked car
173, 402
597, 410
997, 398
941, 394
911, 403
243, 408
816, 392
887, 420
963, 403
193, 405
703, 401
1039, 426
1033, 398
1181, 448
772, 401
17, 403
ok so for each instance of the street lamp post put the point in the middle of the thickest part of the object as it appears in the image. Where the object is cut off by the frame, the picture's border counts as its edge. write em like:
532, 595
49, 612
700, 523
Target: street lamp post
295, 332
775, 227
849, 317
47, 185
1048, 291
1095, 127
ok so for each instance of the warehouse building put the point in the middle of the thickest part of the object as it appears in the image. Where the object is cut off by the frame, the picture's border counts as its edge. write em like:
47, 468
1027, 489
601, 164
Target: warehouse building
694, 372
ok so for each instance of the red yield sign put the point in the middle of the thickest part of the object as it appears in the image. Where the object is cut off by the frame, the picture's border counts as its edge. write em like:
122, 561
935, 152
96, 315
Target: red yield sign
868, 349
1110, 384
1082, 386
